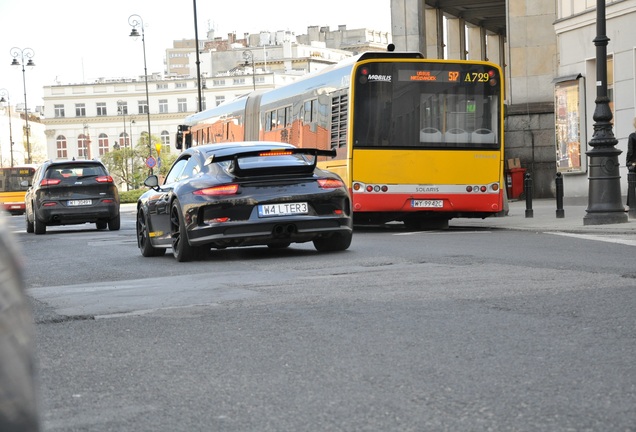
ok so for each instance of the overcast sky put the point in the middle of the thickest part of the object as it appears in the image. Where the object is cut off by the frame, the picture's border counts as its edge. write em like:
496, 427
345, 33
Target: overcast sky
78, 41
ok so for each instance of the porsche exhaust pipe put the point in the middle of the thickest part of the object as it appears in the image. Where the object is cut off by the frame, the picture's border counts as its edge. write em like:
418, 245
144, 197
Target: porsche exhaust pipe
284, 230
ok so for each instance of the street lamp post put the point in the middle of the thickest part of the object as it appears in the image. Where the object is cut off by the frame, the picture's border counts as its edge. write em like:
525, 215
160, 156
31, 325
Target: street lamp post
135, 20
132, 152
87, 142
122, 111
249, 55
24, 53
604, 196
4, 92
198, 62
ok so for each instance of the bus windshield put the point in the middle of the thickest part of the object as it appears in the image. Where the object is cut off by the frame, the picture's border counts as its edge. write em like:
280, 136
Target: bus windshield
426, 105
15, 179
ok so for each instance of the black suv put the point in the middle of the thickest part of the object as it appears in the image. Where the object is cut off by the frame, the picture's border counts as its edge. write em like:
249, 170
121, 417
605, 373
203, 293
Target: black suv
70, 193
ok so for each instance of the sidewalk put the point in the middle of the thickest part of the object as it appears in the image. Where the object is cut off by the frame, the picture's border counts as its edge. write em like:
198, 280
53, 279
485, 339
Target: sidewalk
544, 219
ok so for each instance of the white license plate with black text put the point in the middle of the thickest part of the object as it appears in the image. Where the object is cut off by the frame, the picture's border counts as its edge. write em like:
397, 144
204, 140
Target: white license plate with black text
427, 203
75, 203
284, 209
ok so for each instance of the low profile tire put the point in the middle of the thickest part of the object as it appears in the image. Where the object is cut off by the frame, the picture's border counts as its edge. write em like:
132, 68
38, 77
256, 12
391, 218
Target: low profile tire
115, 223
29, 225
143, 237
39, 227
181, 249
101, 225
337, 242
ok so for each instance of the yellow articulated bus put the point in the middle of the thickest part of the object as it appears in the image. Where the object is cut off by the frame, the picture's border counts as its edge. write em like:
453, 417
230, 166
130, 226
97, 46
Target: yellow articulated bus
417, 140
14, 182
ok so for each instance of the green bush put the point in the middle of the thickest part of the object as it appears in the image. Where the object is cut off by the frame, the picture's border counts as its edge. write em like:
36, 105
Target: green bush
126, 197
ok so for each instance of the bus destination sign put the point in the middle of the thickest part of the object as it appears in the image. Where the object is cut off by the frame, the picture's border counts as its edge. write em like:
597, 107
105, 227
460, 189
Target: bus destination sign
452, 76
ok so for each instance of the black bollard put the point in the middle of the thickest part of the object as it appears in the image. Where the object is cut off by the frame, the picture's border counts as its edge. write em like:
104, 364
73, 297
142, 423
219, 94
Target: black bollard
631, 192
527, 187
560, 213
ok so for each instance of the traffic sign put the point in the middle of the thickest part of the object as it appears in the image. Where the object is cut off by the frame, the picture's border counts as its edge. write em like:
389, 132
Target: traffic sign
151, 162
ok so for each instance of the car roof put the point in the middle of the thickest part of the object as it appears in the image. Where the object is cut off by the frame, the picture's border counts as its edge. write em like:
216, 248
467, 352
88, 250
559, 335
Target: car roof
237, 147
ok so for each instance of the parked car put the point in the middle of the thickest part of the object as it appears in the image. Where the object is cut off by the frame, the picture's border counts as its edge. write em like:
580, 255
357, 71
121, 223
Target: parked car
244, 194
70, 193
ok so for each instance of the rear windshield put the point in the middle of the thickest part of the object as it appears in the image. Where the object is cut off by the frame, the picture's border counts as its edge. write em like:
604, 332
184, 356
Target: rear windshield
293, 160
75, 171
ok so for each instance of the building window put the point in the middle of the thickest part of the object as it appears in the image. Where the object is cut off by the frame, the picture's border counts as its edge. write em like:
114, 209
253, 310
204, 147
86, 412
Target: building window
219, 100
80, 110
124, 140
163, 106
218, 82
182, 105
238, 81
162, 86
122, 108
259, 80
101, 109
143, 106
103, 144
60, 144
59, 111
309, 109
82, 146
203, 107
165, 139
181, 85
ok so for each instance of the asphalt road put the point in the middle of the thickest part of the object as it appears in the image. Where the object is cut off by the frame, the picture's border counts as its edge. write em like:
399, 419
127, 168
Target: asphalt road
471, 329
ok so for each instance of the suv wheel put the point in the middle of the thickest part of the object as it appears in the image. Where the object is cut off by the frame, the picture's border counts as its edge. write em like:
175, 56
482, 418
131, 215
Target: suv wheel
115, 223
38, 225
29, 225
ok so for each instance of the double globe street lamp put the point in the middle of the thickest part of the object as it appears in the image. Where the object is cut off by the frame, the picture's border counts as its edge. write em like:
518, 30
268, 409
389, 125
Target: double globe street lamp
24, 54
135, 21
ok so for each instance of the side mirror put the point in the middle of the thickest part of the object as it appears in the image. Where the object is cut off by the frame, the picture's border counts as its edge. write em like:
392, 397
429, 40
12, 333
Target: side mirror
152, 182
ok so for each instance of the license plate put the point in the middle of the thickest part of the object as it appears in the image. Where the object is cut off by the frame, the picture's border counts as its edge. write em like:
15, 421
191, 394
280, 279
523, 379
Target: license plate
427, 203
74, 203
285, 209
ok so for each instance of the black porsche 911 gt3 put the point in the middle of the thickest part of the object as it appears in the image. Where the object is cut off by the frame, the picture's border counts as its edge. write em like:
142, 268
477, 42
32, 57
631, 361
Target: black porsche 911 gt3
244, 194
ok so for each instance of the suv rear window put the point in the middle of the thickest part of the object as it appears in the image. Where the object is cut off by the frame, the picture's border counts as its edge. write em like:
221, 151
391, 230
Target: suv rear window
75, 171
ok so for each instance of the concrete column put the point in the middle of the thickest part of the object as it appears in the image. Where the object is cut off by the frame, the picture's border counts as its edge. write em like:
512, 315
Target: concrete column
407, 25
476, 43
456, 37
434, 33
495, 49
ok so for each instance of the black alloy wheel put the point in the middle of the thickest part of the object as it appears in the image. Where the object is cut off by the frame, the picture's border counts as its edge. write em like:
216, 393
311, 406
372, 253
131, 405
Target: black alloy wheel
337, 242
143, 237
181, 249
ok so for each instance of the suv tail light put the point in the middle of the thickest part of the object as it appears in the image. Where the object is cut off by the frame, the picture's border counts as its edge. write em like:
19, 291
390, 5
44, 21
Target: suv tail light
50, 182
104, 179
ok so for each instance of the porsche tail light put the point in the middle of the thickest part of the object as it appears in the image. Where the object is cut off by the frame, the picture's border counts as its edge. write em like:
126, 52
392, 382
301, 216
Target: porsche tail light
228, 189
50, 182
330, 183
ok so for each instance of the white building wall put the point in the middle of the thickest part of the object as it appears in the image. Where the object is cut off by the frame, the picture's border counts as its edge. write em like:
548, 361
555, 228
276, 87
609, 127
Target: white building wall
577, 55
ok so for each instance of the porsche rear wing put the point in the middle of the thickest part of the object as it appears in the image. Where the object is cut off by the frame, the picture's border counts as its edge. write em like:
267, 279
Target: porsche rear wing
236, 169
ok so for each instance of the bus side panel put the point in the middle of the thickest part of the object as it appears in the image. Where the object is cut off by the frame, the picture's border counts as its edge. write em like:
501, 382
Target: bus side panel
12, 202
